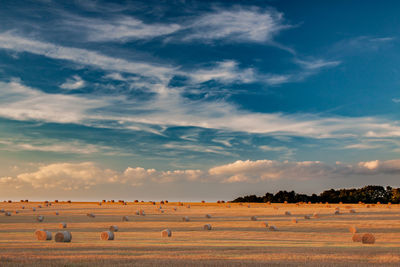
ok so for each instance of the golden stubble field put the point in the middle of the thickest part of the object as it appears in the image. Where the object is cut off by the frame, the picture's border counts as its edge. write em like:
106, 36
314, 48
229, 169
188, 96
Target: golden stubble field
235, 239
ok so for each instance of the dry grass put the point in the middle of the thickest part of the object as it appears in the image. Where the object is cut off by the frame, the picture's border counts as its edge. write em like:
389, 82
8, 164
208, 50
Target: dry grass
234, 241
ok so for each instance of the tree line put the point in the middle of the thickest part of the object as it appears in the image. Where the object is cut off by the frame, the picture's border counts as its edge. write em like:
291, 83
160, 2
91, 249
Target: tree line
367, 194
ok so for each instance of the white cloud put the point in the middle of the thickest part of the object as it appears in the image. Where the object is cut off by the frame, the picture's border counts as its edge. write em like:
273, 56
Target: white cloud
317, 64
20, 102
13, 42
396, 100
86, 175
120, 29
250, 25
73, 83
224, 72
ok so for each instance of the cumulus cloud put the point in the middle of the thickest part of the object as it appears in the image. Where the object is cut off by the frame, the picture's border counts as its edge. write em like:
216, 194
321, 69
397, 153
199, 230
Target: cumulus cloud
85, 175
73, 83
396, 100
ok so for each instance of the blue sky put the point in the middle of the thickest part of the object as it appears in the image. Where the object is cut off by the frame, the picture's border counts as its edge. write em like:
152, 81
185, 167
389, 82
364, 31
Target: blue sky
197, 100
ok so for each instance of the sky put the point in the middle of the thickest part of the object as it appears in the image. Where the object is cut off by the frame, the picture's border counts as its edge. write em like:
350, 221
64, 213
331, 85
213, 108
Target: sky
197, 100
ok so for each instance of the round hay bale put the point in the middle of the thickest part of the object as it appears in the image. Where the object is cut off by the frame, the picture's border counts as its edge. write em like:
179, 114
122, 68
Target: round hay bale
253, 218
272, 228
264, 224
294, 220
353, 229
357, 238
91, 215
166, 233
63, 225
7, 213
185, 219
114, 228
56, 213
125, 219
107, 235
40, 218
63, 236
337, 212
288, 213
42, 235
368, 238
208, 216
352, 211
307, 217
207, 227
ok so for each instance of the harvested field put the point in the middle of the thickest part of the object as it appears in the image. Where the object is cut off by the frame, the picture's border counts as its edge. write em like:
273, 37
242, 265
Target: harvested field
234, 240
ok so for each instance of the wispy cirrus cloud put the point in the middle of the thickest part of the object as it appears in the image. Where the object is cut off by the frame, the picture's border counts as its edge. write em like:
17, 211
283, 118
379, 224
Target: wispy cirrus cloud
250, 25
238, 24
120, 28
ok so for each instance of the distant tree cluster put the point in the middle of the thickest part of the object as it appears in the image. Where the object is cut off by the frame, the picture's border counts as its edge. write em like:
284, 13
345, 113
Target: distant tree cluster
367, 194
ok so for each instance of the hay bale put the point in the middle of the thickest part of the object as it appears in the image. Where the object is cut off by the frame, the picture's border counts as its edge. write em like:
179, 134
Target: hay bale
185, 219
7, 213
208, 216
294, 220
63, 236
368, 238
16, 212
113, 228
166, 233
272, 228
42, 235
288, 213
40, 218
253, 218
63, 225
337, 212
315, 215
207, 227
352, 211
264, 224
107, 235
357, 238
125, 219
353, 229
2, 210
307, 217
91, 215
23, 207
